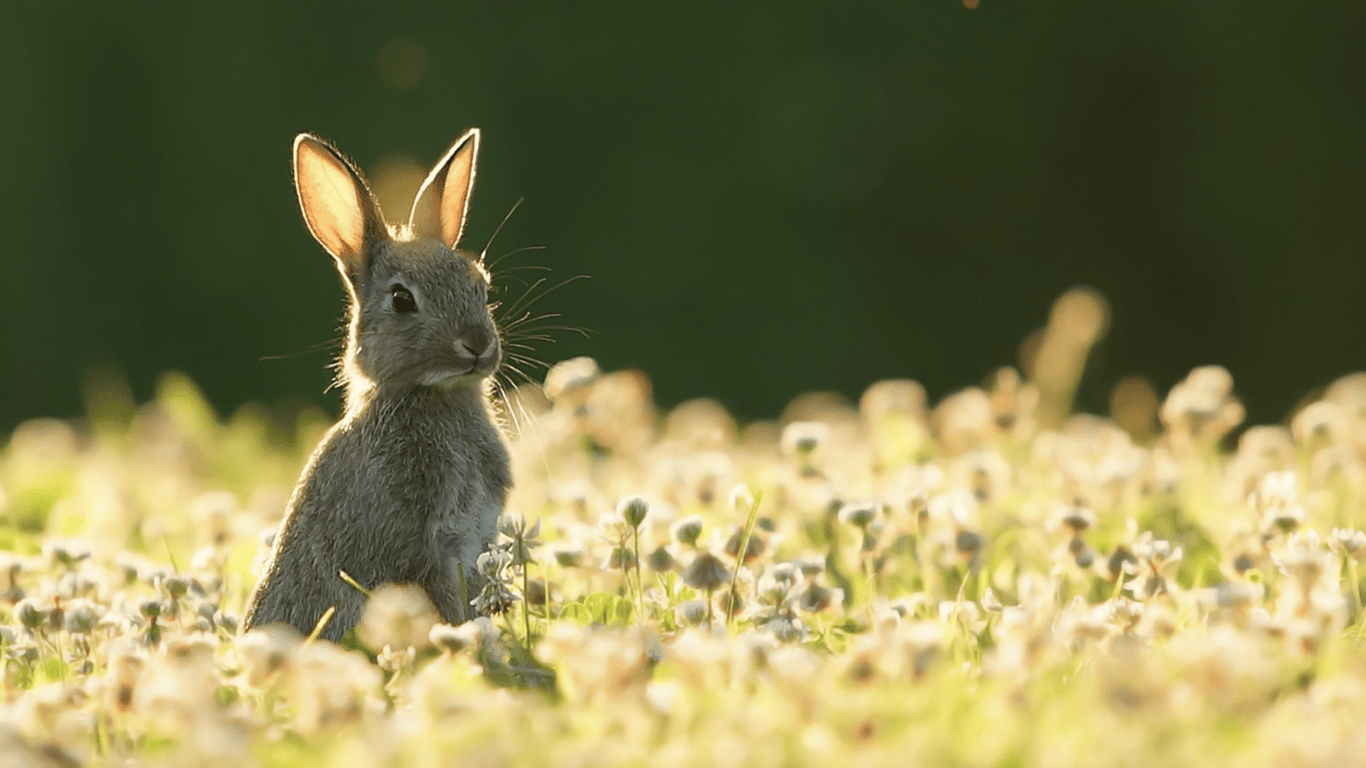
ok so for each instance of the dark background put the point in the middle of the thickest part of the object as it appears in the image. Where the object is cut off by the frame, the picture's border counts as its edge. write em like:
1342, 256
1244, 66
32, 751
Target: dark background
768, 198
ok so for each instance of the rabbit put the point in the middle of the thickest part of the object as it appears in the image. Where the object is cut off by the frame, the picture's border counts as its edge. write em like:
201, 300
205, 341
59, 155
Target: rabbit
408, 486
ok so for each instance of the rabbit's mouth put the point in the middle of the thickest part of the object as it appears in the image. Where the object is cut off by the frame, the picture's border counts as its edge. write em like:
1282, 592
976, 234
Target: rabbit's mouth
460, 371
471, 357
476, 371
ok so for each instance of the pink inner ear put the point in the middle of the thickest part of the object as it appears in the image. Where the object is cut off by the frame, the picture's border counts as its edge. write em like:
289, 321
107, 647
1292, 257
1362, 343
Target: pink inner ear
455, 197
330, 200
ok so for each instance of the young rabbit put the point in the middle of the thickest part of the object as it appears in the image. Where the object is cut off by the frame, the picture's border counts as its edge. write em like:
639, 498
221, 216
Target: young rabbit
408, 486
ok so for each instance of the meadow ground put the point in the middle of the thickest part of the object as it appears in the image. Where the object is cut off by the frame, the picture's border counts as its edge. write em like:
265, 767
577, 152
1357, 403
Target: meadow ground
985, 581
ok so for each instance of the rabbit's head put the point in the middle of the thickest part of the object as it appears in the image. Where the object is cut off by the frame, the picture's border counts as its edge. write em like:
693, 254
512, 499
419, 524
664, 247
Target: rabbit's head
419, 306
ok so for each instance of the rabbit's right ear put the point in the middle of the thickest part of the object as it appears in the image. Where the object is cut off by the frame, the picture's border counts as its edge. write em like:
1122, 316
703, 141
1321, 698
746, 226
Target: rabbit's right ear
341, 213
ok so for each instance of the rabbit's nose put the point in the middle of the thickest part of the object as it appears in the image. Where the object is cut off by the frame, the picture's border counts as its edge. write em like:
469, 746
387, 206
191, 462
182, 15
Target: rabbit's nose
474, 341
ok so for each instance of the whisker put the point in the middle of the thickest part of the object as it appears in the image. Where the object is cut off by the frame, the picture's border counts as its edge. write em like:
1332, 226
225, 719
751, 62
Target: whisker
499, 274
322, 346
528, 361
517, 304
527, 318
525, 303
494, 236
514, 252
576, 329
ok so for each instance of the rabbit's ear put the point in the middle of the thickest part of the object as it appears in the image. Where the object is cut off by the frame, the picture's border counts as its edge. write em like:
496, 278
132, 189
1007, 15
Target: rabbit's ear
439, 210
340, 211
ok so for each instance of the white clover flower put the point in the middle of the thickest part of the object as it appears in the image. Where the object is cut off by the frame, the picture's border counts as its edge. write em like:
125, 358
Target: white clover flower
398, 616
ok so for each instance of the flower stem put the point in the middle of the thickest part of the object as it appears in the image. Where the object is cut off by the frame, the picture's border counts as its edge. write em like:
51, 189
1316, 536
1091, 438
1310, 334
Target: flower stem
526, 603
640, 580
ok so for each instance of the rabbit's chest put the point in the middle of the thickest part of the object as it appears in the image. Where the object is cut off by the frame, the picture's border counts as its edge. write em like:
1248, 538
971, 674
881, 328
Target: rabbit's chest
466, 518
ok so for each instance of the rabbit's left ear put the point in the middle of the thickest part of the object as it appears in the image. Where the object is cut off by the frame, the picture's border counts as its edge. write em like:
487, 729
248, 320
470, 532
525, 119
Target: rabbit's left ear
439, 210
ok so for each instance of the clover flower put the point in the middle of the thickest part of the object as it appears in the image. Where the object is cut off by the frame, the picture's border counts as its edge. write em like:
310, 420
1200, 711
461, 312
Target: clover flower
1152, 560
496, 595
520, 539
398, 616
1277, 499
1349, 542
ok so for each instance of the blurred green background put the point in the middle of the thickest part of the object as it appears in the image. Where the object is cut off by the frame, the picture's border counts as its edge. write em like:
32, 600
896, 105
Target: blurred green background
768, 198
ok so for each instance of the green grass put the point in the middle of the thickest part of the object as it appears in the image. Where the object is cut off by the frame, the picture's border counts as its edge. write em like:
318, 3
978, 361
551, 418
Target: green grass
920, 587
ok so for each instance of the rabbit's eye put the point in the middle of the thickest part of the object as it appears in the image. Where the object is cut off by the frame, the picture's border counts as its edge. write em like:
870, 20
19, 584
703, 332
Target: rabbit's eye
403, 299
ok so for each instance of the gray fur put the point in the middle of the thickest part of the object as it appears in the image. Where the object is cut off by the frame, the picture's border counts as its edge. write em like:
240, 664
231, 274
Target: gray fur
408, 486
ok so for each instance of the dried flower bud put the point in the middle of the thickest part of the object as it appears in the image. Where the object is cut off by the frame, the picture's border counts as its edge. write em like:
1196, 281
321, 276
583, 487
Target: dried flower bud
633, 510
690, 612
706, 572
859, 515
687, 530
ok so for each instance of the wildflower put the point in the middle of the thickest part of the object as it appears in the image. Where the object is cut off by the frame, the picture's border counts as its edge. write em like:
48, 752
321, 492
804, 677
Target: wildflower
391, 659
1349, 542
29, 614
266, 651
453, 639
965, 613
1201, 408
11, 566
859, 515
740, 498
1076, 517
706, 572
123, 671
398, 616
775, 586
809, 566
569, 556
687, 530
801, 439
67, 554
495, 596
214, 512
1152, 559
969, 546
815, 597
521, 540
1320, 423
330, 687
963, 421
786, 629
1236, 595
633, 510
922, 642
1303, 560
613, 528
731, 602
621, 558
661, 560
753, 548
570, 378
81, 617
1277, 499
690, 613
1117, 564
